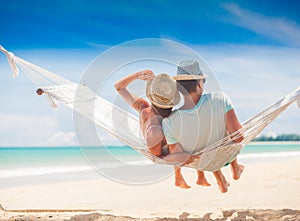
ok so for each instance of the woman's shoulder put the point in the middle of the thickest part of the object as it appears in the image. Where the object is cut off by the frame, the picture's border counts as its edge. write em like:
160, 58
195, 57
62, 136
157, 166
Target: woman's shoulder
145, 113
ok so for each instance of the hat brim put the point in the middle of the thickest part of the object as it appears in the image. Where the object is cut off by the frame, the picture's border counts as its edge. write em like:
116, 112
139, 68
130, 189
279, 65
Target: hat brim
160, 104
185, 77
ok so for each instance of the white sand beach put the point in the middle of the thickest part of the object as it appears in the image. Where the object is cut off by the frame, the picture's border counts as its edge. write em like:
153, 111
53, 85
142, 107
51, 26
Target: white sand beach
267, 190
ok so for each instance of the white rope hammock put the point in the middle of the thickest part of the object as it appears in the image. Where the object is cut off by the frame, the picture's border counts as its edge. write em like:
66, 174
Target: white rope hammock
125, 126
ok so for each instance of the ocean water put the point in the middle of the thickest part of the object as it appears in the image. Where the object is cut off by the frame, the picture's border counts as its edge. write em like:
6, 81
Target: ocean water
43, 161
32, 161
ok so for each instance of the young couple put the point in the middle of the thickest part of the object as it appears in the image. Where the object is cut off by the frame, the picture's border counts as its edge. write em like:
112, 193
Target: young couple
202, 120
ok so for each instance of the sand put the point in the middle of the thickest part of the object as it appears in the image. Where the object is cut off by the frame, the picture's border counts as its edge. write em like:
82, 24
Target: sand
267, 190
234, 215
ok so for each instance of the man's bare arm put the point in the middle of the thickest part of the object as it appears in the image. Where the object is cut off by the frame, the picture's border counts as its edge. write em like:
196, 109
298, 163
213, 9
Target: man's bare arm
233, 124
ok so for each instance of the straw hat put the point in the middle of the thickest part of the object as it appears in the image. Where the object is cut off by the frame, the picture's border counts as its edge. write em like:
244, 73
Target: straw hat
162, 91
189, 70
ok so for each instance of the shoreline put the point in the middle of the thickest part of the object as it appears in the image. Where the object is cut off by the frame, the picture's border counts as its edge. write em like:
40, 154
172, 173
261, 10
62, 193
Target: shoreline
44, 174
252, 142
88, 172
274, 142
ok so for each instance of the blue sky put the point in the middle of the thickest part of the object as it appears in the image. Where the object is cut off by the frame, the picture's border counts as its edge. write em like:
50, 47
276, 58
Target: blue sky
253, 48
80, 24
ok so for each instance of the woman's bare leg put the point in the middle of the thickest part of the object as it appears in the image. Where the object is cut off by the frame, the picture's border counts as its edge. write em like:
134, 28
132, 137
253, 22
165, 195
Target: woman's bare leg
179, 180
201, 180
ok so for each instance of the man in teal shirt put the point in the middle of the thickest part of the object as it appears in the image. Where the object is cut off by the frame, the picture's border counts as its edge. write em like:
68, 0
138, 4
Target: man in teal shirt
202, 120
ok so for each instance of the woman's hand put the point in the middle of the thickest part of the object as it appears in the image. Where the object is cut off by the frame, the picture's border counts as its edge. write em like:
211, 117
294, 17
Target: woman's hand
191, 159
145, 75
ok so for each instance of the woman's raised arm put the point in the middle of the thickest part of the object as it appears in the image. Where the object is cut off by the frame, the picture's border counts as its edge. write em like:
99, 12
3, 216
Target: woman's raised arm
135, 102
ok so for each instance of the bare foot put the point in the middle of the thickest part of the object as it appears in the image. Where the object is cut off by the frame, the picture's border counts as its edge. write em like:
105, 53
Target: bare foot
180, 182
237, 172
203, 182
224, 186
221, 181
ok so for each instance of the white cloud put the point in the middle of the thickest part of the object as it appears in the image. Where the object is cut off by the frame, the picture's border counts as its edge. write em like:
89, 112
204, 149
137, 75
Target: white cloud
255, 77
278, 28
61, 138
32, 130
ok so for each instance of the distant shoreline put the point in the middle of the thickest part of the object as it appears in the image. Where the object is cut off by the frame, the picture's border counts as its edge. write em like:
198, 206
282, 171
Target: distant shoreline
275, 142
253, 142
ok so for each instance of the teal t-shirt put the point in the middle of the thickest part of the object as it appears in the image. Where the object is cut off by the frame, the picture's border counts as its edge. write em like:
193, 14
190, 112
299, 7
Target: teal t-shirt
200, 126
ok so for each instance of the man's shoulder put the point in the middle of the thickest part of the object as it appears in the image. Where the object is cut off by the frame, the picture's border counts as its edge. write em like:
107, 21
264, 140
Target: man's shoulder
221, 99
214, 94
217, 96
173, 116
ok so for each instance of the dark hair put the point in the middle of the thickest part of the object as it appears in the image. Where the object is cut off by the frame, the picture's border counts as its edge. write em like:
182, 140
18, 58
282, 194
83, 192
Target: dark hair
161, 111
187, 86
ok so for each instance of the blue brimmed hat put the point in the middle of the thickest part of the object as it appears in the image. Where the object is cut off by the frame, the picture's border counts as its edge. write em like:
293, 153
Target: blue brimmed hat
189, 70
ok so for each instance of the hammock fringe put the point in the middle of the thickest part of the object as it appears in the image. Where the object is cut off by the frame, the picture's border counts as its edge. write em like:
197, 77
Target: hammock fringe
11, 60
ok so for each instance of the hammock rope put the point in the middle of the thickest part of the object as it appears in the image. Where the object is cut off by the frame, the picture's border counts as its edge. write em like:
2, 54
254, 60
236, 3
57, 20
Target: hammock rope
125, 126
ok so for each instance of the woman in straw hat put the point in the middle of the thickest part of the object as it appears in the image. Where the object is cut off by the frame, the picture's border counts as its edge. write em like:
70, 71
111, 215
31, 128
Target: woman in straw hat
162, 93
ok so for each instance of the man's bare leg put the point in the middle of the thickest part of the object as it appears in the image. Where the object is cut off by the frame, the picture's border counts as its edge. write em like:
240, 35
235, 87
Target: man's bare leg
201, 180
236, 169
221, 180
179, 180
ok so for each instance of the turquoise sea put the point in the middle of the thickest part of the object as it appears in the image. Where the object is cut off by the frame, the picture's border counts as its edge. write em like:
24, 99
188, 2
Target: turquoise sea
18, 162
